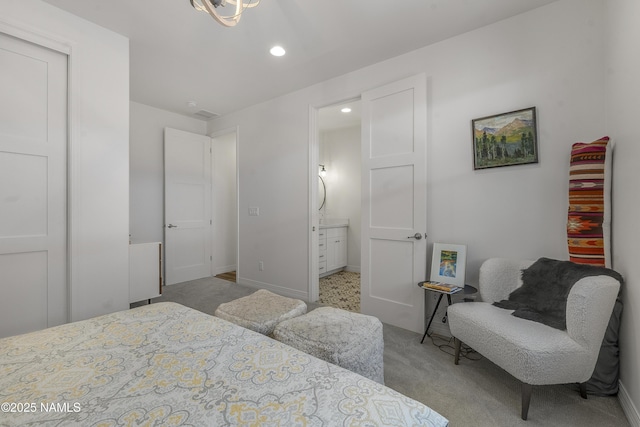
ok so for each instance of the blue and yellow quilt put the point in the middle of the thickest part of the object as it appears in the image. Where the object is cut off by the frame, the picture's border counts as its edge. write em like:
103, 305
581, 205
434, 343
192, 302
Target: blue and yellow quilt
168, 365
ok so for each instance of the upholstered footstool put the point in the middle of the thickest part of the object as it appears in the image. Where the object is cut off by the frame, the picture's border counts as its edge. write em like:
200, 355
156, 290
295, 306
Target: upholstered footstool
350, 340
261, 311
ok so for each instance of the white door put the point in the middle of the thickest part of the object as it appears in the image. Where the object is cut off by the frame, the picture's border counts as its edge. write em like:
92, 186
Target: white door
187, 206
225, 202
33, 187
394, 205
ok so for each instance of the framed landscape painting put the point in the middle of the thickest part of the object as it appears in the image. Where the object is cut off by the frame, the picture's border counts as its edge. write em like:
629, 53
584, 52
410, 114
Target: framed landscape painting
505, 139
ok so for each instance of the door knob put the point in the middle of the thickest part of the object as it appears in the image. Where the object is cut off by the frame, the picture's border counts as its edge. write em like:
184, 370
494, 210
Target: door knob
416, 236
172, 226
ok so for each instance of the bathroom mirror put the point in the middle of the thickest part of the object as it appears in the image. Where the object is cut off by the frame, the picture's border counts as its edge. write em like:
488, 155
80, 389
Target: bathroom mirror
322, 193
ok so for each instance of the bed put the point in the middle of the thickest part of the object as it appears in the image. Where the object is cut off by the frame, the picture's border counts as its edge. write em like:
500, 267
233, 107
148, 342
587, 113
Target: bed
168, 365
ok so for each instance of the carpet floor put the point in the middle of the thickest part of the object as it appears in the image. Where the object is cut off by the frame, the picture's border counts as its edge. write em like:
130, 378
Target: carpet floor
474, 393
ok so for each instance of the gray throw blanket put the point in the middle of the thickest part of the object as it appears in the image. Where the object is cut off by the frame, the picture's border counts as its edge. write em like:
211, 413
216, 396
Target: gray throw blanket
546, 285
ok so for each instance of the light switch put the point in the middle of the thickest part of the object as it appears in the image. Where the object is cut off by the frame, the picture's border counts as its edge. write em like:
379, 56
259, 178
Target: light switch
254, 211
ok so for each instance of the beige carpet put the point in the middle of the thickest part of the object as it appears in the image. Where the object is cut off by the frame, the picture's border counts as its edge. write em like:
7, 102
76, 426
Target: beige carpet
341, 290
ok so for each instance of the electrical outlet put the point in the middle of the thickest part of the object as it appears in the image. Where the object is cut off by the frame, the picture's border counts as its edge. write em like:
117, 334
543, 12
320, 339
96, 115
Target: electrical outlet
254, 211
261, 266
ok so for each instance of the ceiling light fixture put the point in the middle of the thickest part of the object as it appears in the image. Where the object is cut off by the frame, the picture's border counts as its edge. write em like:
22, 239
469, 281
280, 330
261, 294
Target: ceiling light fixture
346, 110
277, 51
210, 6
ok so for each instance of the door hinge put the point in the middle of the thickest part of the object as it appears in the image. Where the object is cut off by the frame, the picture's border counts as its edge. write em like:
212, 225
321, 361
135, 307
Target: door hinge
210, 222
210, 257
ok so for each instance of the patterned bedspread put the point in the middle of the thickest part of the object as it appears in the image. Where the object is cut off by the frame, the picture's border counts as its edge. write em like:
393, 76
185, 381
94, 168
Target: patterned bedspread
168, 365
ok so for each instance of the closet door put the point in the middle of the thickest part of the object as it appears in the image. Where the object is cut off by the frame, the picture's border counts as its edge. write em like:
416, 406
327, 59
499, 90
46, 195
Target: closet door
33, 187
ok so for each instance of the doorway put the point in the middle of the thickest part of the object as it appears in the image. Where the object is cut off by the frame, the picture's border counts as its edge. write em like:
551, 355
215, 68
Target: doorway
224, 189
393, 201
201, 214
187, 206
339, 204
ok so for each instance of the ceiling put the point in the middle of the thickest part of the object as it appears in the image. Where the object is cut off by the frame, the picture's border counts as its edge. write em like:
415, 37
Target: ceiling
180, 55
332, 117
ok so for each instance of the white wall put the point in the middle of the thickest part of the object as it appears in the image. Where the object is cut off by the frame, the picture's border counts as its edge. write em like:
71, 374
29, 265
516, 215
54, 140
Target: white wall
147, 167
517, 211
622, 63
340, 152
98, 151
225, 205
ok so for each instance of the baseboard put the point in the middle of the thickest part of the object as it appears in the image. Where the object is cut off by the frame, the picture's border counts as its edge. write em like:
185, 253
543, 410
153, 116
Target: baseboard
353, 268
329, 273
280, 290
629, 409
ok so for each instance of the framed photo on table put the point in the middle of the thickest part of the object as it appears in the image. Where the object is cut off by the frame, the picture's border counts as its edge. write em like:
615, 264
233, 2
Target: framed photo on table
448, 263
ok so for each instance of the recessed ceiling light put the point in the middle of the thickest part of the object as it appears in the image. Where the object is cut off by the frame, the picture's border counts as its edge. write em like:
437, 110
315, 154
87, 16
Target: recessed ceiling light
346, 110
277, 51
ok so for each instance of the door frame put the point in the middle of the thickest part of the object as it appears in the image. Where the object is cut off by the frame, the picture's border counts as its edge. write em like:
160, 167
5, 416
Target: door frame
222, 132
314, 217
64, 46
314, 140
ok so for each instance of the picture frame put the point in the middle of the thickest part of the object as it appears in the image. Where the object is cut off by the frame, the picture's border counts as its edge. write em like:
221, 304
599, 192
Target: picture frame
448, 263
505, 139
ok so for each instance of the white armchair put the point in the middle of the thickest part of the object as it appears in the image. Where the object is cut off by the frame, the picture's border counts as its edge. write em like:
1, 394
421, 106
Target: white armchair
532, 352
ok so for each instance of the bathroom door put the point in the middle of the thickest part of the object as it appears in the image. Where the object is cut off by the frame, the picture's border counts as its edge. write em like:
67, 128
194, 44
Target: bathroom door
394, 202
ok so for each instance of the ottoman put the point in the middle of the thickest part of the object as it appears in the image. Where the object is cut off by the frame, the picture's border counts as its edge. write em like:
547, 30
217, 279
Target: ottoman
350, 340
261, 311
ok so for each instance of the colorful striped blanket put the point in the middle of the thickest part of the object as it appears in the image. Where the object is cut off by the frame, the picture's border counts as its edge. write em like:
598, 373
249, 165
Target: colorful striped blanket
589, 219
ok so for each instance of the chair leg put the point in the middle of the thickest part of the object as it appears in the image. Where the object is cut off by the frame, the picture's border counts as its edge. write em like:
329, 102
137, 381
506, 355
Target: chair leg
457, 344
583, 390
526, 399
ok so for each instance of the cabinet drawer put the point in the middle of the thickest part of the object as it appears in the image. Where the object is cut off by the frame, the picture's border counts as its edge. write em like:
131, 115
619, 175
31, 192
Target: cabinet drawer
322, 254
322, 267
322, 233
322, 244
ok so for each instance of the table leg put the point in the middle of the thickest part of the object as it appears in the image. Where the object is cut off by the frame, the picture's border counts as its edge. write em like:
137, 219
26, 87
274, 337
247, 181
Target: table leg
433, 315
445, 318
